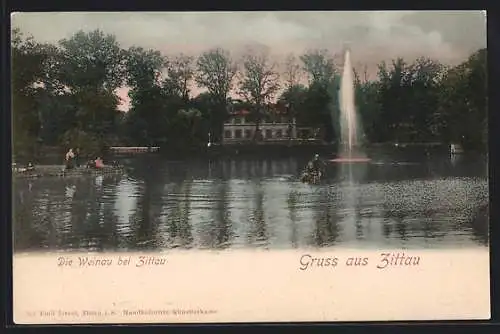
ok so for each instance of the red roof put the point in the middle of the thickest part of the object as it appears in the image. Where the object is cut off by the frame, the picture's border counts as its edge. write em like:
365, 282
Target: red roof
278, 108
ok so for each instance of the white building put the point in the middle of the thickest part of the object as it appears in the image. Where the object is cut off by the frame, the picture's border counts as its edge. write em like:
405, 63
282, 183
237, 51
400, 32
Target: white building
239, 129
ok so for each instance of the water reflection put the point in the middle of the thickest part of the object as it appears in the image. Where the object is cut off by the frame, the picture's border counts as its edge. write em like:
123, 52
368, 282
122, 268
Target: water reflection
326, 230
258, 233
255, 203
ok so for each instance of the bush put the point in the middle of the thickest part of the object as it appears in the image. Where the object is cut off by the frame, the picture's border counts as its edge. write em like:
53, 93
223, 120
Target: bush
23, 147
89, 144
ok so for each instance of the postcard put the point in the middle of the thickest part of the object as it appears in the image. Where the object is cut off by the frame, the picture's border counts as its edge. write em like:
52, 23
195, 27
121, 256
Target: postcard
215, 167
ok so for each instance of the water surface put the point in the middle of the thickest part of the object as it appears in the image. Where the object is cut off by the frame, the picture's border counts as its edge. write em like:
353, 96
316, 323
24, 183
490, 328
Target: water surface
405, 202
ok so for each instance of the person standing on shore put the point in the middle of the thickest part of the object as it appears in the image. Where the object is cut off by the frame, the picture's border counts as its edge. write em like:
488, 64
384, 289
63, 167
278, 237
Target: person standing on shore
69, 159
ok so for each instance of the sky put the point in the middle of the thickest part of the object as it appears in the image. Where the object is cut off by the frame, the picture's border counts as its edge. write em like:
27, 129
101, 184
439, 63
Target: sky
448, 36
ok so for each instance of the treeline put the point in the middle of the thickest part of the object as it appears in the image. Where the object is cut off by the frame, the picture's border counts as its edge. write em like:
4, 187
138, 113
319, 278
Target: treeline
66, 95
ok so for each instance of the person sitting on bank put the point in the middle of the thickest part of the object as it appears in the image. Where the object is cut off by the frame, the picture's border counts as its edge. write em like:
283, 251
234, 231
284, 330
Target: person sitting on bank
29, 168
99, 163
69, 159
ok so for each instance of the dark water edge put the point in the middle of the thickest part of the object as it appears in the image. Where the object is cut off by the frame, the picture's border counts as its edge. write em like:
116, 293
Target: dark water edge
401, 200
264, 150
55, 155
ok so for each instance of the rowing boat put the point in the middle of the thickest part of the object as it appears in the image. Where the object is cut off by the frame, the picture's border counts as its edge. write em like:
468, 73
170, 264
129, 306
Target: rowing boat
311, 177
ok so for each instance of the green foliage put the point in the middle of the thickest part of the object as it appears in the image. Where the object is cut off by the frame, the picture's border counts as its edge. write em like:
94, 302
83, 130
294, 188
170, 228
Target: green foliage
92, 60
89, 144
27, 70
215, 72
258, 85
143, 67
294, 97
463, 102
66, 89
66, 95
319, 66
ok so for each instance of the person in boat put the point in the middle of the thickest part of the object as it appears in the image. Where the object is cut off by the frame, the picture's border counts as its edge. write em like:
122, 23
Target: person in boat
314, 170
69, 159
316, 165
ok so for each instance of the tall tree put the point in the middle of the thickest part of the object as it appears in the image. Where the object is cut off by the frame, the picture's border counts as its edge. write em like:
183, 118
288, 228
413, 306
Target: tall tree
422, 82
259, 83
293, 95
215, 72
92, 67
319, 66
28, 58
147, 120
293, 98
292, 72
393, 99
463, 102
144, 67
408, 99
93, 60
180, 73
322, 96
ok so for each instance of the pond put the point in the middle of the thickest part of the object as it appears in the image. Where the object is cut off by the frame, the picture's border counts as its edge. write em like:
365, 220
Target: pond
402, 201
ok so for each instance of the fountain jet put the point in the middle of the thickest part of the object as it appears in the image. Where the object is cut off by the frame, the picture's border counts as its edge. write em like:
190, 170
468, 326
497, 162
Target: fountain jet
349, 150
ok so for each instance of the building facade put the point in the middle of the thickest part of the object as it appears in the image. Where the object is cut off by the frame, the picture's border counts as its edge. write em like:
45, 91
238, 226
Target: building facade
238, 129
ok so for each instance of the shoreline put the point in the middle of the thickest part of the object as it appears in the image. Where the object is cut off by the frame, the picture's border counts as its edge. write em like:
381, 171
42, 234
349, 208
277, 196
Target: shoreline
279, 149
41, 171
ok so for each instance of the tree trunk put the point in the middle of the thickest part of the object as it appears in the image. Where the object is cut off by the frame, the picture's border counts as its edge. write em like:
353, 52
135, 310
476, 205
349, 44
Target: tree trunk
258, 120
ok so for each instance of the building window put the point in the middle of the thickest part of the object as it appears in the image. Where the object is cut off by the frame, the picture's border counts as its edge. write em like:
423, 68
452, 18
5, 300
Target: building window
248, 134
279, 134
237, 134
269, 133
237, 120
227, 134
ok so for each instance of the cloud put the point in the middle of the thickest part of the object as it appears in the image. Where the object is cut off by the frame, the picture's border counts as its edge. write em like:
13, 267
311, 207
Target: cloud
445, 35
